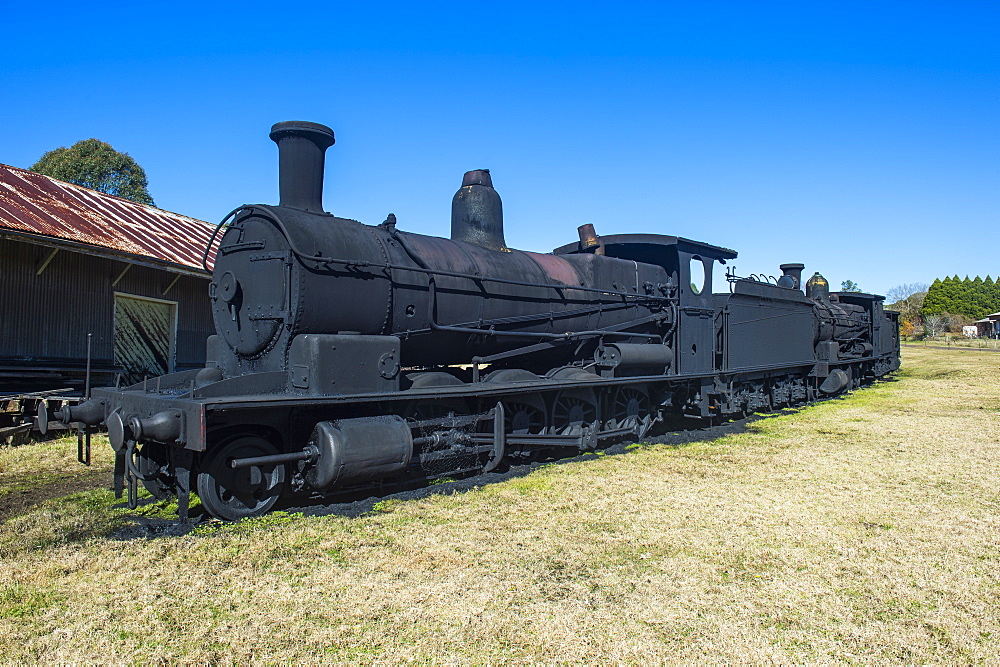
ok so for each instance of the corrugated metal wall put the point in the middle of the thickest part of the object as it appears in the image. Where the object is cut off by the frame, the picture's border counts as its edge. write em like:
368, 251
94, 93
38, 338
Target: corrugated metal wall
44, 319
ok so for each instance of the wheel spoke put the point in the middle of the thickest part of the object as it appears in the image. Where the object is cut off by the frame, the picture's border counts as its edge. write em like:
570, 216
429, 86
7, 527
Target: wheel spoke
631, 408
523, 419
571, 412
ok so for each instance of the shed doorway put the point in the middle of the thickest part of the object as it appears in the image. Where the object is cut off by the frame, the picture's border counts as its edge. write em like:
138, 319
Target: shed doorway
145, 337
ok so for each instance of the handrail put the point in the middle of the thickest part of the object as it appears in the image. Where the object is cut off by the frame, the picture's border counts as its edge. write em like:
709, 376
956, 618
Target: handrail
265, 212
432, 300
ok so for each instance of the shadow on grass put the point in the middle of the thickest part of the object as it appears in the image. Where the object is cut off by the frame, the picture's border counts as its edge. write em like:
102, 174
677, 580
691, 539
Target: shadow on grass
20, 495
153, 518
677, 433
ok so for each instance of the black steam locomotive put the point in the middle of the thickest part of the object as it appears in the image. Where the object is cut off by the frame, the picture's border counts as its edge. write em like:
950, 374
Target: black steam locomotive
348, 355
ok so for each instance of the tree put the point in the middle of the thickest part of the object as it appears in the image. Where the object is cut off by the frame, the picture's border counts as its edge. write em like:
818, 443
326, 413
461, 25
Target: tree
934, 325
979, 299
956, 321
909, 309
938, 297
971, 299
849, 286
900, 292
96, 165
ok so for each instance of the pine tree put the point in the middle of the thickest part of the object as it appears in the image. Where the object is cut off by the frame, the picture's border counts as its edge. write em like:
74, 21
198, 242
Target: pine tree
963, 301
993, 295
973, 299
979, 299
934, 301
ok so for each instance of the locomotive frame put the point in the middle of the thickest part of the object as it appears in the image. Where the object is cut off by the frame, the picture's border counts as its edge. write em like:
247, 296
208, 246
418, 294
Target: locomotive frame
349, 355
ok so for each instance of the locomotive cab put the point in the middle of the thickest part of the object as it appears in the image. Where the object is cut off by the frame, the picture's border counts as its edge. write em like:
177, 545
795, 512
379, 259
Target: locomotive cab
689, 266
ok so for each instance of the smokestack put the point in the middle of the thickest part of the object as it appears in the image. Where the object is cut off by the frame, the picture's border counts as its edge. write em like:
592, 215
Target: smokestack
301, 149
477, 212
793, 271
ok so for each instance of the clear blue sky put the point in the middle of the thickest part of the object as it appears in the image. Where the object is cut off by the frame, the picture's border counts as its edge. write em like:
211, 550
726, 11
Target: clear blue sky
862, 139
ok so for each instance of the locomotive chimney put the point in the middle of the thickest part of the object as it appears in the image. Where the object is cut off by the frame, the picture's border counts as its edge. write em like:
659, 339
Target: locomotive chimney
793, 271
477, 213
301, 149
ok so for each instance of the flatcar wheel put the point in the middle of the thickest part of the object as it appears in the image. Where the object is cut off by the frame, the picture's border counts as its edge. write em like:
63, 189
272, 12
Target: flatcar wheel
151, 460
571, 412
232, 494
631, 409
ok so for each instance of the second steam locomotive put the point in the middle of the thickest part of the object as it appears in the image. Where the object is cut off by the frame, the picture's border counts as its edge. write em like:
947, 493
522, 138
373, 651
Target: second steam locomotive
348, 355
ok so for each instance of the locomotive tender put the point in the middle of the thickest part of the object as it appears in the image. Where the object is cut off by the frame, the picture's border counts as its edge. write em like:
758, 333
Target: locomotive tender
348, 355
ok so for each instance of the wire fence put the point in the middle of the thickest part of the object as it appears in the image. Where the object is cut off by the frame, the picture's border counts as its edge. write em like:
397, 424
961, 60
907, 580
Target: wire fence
953, 341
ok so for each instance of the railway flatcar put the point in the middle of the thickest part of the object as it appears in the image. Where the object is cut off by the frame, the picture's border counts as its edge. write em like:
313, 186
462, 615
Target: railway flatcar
349, 355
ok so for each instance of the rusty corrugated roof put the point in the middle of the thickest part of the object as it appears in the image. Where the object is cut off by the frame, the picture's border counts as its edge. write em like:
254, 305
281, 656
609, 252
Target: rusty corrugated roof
34, 204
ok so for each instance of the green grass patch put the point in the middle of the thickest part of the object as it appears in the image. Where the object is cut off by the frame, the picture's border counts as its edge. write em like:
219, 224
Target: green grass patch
61, 521
20, 602
245, 526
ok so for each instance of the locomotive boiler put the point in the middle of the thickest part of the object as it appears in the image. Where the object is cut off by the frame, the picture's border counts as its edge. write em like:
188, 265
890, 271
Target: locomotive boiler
348, 355
293, 269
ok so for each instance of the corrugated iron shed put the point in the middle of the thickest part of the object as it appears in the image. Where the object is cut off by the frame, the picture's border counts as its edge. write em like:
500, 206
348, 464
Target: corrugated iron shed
45, 209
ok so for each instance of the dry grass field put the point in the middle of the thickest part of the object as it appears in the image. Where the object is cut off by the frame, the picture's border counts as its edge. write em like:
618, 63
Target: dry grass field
865, 529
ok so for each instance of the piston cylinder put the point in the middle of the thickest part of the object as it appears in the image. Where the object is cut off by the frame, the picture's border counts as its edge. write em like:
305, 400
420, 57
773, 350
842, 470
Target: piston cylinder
359, 450
836, 382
